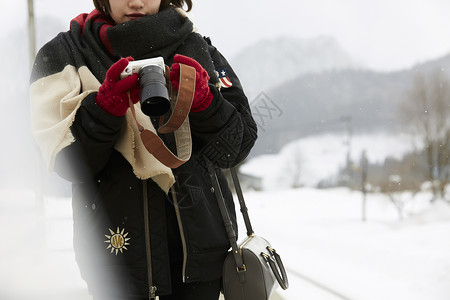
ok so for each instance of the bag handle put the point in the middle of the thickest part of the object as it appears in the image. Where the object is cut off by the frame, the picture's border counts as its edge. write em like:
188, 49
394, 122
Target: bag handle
277, 266
178, 123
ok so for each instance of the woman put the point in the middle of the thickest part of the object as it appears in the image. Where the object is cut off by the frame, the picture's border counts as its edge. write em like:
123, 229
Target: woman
141, 229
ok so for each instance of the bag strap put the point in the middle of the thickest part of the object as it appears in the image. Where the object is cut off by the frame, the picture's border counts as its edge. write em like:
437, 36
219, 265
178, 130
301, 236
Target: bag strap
244, 209
178, 123
274, 259
240, 266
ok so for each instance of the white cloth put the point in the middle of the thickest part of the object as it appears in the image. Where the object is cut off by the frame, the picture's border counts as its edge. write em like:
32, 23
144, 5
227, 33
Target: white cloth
54, 102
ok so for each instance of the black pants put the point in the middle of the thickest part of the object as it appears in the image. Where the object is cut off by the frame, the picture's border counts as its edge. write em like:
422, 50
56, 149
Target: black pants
184, 291
196, 291
209, 290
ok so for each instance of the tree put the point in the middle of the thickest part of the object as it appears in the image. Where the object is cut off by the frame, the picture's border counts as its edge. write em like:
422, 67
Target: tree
400, 179
426, 110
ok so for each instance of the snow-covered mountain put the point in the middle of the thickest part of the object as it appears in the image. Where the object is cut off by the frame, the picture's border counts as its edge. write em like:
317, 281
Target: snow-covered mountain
271, 62
336, 101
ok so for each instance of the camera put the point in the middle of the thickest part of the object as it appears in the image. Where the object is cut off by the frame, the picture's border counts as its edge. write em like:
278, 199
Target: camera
154, 95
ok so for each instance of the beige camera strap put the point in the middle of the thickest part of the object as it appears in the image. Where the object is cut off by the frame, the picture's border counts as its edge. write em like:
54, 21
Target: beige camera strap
178, 123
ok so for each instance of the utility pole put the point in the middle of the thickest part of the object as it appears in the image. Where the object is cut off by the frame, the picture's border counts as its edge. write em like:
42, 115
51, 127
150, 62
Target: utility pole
39, 185
348, 143
364, 163
32, 54
31, 32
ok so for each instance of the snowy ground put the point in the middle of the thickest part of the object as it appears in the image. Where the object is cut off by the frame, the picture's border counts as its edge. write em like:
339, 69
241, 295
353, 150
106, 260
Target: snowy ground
319, 234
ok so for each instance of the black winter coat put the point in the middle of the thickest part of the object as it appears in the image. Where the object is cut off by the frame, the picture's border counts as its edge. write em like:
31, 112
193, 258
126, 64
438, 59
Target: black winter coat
127, 231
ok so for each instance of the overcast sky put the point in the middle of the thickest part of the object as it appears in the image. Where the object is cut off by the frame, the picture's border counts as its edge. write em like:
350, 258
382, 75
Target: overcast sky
381, 34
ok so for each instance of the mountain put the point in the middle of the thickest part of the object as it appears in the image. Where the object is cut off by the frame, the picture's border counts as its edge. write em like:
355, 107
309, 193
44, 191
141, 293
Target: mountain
346, 101
297, 88
271, 62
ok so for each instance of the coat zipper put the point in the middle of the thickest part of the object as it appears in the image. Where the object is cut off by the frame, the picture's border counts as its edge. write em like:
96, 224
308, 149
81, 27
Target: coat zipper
151, 288
180, 225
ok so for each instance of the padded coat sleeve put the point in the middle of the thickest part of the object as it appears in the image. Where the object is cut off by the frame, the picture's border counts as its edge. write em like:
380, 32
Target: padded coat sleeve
225, 132
75, 136
95, 133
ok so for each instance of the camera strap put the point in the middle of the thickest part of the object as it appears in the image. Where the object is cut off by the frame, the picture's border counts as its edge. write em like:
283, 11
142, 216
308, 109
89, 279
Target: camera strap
178, 123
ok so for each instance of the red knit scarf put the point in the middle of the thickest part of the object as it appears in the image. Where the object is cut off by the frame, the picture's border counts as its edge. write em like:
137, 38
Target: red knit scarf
163, 34
96, 17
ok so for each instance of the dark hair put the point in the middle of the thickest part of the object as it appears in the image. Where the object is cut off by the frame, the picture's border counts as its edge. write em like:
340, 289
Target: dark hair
103, 5
176, 3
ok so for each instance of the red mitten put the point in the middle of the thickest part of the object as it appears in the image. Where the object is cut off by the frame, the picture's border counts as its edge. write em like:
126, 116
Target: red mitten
112, 96
202, 94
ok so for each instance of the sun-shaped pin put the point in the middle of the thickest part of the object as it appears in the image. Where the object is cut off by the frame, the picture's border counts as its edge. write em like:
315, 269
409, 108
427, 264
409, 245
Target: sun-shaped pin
117, 240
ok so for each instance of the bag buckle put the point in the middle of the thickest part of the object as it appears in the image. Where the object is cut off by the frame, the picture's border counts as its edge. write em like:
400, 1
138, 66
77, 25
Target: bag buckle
241, 269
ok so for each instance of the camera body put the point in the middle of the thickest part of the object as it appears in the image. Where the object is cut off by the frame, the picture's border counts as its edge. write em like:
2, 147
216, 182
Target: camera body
154, 95
136, 65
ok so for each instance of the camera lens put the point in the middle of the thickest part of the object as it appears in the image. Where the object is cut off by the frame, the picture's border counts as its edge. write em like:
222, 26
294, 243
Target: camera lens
154, 95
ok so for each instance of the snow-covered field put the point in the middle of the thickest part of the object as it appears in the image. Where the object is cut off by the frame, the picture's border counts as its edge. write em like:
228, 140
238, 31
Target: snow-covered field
319, 157
319, 234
